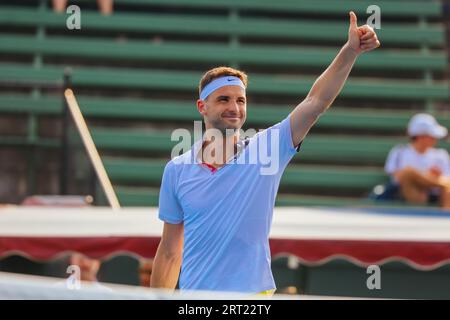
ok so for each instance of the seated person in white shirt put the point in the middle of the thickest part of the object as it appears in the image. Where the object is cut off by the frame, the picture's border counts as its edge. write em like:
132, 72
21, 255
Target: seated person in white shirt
421, 171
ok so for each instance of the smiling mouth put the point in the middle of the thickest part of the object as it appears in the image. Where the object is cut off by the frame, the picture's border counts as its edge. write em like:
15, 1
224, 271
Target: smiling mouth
234, 119
231, 117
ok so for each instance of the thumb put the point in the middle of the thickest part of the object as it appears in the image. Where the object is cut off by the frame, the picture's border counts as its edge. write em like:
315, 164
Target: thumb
353, 20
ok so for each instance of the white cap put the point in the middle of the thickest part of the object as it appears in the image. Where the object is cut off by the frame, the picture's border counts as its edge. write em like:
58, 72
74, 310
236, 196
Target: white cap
426, 124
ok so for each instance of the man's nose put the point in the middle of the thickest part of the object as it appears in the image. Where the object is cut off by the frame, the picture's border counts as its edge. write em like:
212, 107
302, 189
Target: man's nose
234, 106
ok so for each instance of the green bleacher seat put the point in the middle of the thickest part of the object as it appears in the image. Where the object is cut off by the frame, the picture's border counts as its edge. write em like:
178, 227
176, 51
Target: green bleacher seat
187, 81
339, 117
214, 25
212, 53
390, 8
144, 172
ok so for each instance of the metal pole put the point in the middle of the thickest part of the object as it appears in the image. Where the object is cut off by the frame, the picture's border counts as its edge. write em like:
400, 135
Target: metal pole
92, 152
64, 161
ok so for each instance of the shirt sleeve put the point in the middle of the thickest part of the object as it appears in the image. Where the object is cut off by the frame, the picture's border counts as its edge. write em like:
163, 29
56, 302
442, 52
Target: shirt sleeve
287, 148
276, 143
169, 207
446, 171
392, 162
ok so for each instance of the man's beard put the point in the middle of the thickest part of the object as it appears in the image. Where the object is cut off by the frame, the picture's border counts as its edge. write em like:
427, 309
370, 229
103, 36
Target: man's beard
225, 128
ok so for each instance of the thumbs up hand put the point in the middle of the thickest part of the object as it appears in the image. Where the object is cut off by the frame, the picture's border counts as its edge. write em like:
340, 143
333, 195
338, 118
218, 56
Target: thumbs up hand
361, 39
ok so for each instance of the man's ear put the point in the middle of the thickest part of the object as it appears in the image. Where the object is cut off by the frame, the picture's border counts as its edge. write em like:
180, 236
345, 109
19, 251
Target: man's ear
201, 107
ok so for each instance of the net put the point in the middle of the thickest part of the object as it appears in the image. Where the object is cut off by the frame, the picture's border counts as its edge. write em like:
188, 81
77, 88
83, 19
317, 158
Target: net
27, 287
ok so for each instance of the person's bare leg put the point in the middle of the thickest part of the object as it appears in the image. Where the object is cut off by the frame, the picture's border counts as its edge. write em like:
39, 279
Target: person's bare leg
421, 179
415, 185
413, 194
59, 6
445, 198
106, 6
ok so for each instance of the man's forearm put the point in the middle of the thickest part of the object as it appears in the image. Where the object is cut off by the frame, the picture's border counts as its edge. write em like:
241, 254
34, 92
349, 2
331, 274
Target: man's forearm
322, 94
165, 272
326, 88
330, 83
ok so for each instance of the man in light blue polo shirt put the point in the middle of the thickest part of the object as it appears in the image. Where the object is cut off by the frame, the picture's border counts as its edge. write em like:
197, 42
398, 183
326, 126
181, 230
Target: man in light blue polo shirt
217, 199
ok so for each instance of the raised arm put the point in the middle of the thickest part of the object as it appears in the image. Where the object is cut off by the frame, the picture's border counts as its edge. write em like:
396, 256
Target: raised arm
326, 88
167, 263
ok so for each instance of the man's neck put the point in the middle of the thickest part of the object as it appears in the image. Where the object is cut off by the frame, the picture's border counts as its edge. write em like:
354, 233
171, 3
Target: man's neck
217, 153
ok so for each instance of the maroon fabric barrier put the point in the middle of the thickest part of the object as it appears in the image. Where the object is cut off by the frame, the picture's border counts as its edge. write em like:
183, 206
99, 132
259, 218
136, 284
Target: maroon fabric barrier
46, 248
420, 255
